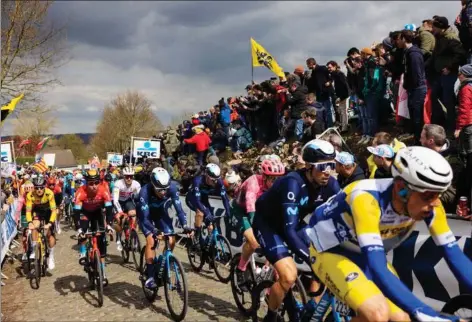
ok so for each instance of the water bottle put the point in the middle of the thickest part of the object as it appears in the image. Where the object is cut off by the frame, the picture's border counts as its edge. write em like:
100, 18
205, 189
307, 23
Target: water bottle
309, 310
265, 272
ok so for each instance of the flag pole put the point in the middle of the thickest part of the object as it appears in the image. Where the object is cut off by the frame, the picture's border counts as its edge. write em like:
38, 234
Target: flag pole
252, 63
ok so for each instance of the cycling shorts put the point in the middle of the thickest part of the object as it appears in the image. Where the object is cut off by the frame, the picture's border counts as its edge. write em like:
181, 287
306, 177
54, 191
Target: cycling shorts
207, 219
241, 217
58, 199
93, 220
159, 219
45, 216
342, 272
127, 205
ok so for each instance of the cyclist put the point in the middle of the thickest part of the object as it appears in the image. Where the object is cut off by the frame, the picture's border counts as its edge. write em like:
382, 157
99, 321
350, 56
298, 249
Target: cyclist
155, 199
40, 205
55, 186
89, 201
197, 198
280, 212
243, 207
124, 192
352, 232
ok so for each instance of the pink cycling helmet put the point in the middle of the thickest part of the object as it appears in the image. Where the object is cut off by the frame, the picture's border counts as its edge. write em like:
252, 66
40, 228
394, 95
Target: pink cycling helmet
271, 167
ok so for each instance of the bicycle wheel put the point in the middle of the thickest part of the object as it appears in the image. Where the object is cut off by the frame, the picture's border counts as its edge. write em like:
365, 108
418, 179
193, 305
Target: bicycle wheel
45, 254
195, 255
35, 277
460, 306
70, 216
260, 296
175, 280
98, 277
241, 298
150, 294
125, 245
135, 247
221, 256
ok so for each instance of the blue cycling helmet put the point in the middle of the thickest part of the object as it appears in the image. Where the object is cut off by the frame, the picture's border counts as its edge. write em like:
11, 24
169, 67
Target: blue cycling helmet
410, 26
317, 151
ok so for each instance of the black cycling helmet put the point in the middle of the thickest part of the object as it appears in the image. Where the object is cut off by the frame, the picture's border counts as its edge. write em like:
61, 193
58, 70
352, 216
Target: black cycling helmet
317, 151
39, 181
108, 177
91, 174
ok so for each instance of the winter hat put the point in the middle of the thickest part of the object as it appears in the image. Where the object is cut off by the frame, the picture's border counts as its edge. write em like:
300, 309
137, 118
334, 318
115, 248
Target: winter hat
466, 70
441, 22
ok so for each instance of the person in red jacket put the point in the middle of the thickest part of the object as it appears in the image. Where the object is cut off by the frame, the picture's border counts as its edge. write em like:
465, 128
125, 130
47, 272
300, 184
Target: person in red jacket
202, 143
464, 129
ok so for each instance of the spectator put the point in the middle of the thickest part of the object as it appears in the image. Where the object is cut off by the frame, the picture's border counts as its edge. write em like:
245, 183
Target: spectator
299, 74
464, 129
352, 54
414, 81
171, 142
312, 125
347, 169
383, 159
202, 143
224, 116
219, 140
442, 69
342, 92
425, 38
464, 26
320, 84
336, 141
382, 138
296, 98
195, 119
242, 139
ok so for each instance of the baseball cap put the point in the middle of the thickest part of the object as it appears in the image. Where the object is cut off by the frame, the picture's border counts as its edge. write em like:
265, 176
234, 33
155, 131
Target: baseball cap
441, 22
382, 150
345, 158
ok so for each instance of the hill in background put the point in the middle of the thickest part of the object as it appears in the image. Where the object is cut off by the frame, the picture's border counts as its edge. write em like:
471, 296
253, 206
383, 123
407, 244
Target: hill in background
86, 137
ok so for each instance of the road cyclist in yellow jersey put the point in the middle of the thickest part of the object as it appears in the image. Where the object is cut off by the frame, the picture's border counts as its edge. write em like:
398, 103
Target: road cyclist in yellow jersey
352, 232
41, 206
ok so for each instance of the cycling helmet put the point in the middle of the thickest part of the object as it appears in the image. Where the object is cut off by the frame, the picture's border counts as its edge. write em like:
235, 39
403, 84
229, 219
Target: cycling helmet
39, 181
232, 177
422, 169
212, 170
78, 177
410, 26
160, 178
272, 167
128, 171
317, 151
92, 174
108, 177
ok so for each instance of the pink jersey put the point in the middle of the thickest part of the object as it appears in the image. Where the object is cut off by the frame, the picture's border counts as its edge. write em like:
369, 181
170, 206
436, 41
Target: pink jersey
248, 192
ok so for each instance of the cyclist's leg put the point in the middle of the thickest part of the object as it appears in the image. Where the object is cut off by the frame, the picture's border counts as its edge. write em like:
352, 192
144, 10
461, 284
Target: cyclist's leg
150, 254
348, 282
165, 225
250, 245
98, 223
84, 225
51, 242
198, 219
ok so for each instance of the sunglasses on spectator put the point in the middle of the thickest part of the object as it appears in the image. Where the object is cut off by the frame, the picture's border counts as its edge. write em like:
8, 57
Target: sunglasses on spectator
93, 183
325, 166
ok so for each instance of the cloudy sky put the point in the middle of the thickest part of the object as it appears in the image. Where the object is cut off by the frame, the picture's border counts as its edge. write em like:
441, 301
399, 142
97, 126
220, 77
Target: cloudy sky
186, 55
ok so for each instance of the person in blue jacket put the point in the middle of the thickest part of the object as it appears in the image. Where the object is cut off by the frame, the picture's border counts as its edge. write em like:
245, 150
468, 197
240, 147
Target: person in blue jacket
197, 198
155, 199
224, 116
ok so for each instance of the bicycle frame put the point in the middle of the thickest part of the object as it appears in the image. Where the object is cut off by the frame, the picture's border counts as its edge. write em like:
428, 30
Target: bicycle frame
166, 253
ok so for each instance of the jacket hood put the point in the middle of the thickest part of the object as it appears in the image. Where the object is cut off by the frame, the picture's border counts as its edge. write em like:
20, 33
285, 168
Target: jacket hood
450, 33
414, 49
445, 149
171, 132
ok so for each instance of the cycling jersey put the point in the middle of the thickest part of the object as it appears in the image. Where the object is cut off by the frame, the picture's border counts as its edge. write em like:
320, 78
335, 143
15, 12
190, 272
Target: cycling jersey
86, 203
362, 219
248, 192
197, 197
280, 212
153, 212
44, 205
123, 193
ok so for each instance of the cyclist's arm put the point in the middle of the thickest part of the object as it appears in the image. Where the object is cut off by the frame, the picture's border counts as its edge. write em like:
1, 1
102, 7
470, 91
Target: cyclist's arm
78, 201
174, 195
52, 206
224, 197
29, 207
108, 204
366, 214
290, 198
143, 212
116, 199
250, 197
458, 262
197, 197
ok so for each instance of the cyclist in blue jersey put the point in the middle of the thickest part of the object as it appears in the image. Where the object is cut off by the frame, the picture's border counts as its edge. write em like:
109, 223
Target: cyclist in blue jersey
155, 199
197, 198
278, 223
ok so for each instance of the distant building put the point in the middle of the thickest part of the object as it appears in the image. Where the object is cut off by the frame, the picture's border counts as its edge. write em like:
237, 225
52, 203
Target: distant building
59, 158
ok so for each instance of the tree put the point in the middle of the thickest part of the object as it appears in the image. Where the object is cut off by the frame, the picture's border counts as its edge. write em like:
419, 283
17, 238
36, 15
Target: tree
36, 122
128, 114
75, 144
32, 48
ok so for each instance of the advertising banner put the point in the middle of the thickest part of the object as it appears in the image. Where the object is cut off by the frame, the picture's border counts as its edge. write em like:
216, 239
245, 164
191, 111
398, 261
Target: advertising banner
8, 228
148, 148
6, 152
115, 159
50, 159
418, 262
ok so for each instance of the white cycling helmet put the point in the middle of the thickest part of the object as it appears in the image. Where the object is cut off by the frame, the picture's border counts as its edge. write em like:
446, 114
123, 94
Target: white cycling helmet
213, 170
128, 171
232, 177
79, 176
423, 169
160, 178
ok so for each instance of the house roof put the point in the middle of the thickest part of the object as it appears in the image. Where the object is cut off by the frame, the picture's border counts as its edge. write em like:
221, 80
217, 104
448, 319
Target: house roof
63, 158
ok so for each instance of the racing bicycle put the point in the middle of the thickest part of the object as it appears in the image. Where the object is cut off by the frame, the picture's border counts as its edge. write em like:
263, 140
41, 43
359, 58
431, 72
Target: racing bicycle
36, 256
130, 242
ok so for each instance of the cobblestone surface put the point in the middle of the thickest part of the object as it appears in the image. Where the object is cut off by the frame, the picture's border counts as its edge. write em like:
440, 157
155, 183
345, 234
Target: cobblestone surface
65, 295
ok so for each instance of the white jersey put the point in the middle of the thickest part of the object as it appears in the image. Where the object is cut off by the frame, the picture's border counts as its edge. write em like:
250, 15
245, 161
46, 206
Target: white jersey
122, 192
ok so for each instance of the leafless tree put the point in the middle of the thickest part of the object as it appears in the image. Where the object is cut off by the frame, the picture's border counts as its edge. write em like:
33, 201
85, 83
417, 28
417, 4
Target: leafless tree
129, 114
32, 48
35, 122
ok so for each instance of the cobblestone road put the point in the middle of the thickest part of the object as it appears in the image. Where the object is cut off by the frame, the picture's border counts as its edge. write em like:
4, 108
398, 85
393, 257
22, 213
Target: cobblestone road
65, 296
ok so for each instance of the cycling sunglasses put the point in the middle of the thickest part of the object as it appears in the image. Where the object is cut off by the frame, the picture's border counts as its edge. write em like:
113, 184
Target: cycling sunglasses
325, 166
93, 183
39, 188
128, 177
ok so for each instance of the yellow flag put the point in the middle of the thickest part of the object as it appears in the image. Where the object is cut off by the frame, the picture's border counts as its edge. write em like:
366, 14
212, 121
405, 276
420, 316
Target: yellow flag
8, 108
260, 57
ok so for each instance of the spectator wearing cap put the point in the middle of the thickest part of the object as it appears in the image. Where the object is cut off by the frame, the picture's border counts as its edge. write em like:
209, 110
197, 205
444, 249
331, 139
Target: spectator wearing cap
464, 127
414, 81
320, 84
383, 159
382, 138
442, 69
242, 139
202, 143
341, 90
296, 98
347, 169
426, 40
